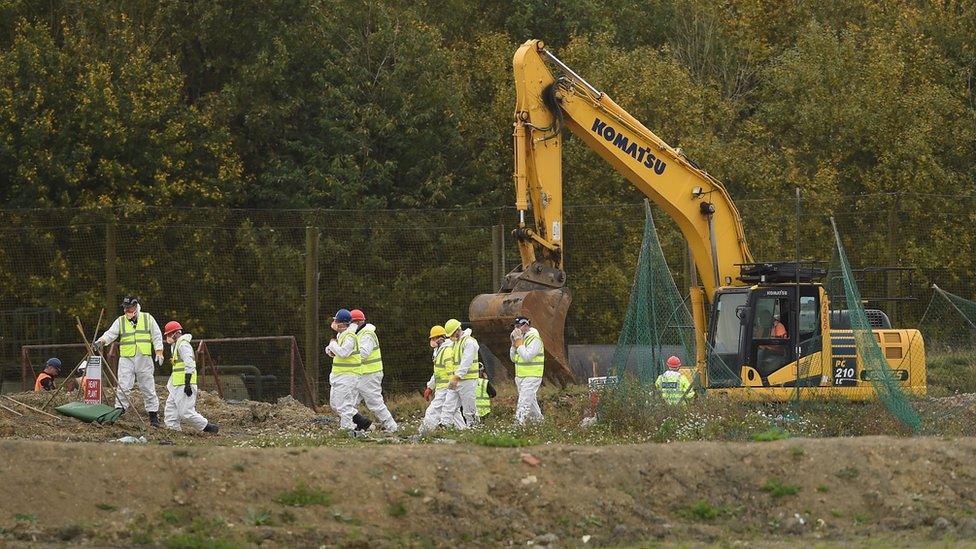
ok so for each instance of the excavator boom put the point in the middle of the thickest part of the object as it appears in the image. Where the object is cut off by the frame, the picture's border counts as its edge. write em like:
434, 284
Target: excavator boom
696, 201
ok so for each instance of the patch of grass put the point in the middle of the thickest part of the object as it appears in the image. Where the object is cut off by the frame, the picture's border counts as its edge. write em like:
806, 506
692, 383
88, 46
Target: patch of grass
25, 517
952, 372
198, 541
848, 473
239, 467
345, 519
861, 519
397, 510
303, 496
797, 452
106, 507
771, 434
258, 518
498, 440
823, 488
776, 488
181, 453
173, 516
414, 492
702, 510
141, 537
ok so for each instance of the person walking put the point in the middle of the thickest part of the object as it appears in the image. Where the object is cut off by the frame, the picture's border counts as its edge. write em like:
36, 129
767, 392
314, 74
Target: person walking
370, 384
436, 390
344, 378
528, 354
463, 381
181, 404
139, 336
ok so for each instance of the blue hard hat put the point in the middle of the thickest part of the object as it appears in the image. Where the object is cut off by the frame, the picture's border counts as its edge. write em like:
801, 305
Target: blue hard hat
343, 316
54, 363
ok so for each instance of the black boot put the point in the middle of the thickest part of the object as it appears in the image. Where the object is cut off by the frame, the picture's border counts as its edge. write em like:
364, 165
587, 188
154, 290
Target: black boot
361, 421
154, 419
211, 428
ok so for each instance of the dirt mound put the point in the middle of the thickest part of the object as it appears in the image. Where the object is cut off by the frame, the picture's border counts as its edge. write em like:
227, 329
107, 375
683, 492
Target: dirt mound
877, 488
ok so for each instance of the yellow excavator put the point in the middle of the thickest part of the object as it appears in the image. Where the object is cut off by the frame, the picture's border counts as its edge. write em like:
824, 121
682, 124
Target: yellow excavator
771, 334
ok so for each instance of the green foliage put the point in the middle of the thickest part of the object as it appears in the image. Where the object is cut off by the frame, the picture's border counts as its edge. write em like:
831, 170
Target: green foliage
303, 496
106, 506
771, 434
397, 510
702, 510
258, 518
777, 489
498, 440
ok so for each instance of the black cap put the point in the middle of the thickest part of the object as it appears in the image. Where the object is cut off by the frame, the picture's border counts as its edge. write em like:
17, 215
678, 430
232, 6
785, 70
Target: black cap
129, 301
521, 320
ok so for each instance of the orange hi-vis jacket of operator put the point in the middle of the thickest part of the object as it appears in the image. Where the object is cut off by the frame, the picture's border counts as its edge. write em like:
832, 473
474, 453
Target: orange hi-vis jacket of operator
44, 382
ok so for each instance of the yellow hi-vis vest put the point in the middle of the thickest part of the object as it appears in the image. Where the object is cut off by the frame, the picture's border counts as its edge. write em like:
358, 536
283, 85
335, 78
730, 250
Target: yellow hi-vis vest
481, 400
459, 350
535, 365
443, 363
374, 362
352, 363
674, 388
178, 378
138, 337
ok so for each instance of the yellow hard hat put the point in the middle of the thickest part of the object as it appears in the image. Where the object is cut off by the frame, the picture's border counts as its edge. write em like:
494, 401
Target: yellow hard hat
452, 326
437, 331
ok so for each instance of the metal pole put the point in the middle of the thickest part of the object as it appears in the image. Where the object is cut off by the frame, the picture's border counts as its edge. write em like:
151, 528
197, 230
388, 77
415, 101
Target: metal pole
312, 301
796, 315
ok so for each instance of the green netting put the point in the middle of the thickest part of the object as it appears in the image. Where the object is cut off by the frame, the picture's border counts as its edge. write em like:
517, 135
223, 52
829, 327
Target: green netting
845, 295
658, 323
949, 330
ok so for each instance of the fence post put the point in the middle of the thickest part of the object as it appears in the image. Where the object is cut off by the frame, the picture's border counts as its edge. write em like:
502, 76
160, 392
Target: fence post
111, 294
312, 303
891, 282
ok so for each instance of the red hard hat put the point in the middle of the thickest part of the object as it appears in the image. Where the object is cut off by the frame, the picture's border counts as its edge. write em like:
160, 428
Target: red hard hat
674, 362
357, 315
171, 327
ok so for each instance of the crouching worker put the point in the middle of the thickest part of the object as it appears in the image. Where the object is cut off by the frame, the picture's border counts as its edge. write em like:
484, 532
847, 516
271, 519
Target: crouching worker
45, 379
181, 404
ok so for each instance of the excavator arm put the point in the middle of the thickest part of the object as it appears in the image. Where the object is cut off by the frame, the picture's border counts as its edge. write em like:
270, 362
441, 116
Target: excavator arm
697, 202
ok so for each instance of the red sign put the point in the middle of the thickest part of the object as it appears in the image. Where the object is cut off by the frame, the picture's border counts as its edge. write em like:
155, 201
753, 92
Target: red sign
93, 391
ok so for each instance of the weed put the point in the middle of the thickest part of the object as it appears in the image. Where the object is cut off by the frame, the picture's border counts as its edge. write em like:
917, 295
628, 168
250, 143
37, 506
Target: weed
25, 517
860, 519
823, 488
258, 518
848, 473
287, 517
141, 537
106, 507
239, 467
171, 516
303, 496
776, 488
797, 452
414, 492
702, 510
771, 434
181, 453
397, 509
345, 519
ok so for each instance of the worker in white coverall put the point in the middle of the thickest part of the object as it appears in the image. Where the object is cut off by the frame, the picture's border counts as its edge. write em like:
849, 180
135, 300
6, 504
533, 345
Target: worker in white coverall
370, 389
528, 354
463, 382
436, 388
181, 404
138, 335
344, 378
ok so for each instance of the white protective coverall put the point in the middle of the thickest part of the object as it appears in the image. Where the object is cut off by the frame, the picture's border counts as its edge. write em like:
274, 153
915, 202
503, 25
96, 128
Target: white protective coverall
527, 408
433, 416
343, 392
182, 409
463, 399
137, 369
370, 389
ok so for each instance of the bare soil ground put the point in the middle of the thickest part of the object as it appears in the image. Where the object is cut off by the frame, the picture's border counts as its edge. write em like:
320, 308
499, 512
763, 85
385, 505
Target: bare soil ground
869, 489
280, 474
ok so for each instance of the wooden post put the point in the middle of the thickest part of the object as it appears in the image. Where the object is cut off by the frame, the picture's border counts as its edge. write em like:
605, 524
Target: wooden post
111, 282
312, 303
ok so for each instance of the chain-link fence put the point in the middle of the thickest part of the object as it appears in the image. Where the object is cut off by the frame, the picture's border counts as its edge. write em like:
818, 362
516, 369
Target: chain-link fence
236, 274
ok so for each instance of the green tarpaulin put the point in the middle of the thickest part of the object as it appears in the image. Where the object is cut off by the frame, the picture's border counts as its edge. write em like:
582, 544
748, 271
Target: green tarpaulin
99, 413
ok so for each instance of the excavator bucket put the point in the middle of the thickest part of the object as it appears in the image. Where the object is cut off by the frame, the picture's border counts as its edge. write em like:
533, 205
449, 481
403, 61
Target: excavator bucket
492, 317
